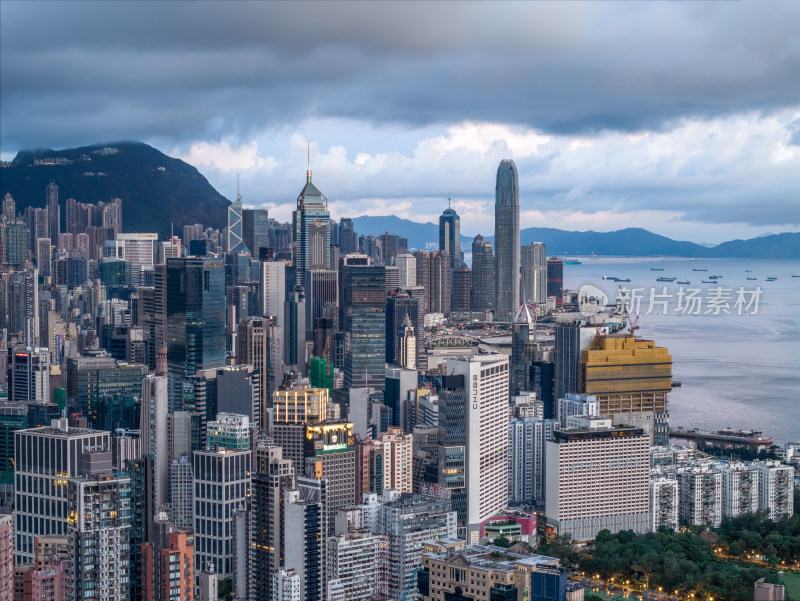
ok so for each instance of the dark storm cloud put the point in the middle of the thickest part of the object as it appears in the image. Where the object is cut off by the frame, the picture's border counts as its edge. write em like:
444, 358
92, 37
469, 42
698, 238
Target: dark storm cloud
84, 72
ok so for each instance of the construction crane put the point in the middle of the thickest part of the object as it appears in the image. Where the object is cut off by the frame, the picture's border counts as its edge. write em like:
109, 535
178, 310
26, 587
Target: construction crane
407, 590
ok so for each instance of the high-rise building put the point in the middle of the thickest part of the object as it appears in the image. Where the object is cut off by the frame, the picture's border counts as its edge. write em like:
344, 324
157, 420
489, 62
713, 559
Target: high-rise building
571, 339
775, 489
229, 431
450, 235
700, 495
46, 458
305, 512
407, 269
739, 489
482, 292
222, 480
98, 386
9, 208
555, 280
7, 557
399, 306
182, 492
663, 503
461, 286
610, 492
482, 416
533, 280
506, 239
311, 225
272, 477
357, 565
322, 293
29, 375
235, 242
255, 229
154, 432
348, 237
168, 570
139, 249
98, 528
631, 379
195, 320
53, 212
397, 450
364, 324
253, 348
526, 466
329, 451
408, 522
523, 349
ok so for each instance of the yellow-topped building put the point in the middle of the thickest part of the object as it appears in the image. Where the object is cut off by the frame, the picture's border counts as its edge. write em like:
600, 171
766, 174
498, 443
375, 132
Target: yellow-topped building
628, 376
300, 405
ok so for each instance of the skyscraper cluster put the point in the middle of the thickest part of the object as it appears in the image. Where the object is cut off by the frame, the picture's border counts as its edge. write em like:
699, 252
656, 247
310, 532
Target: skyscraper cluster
296, 411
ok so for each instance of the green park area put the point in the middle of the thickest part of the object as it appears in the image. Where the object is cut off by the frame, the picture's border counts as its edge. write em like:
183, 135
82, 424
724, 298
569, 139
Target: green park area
792, 584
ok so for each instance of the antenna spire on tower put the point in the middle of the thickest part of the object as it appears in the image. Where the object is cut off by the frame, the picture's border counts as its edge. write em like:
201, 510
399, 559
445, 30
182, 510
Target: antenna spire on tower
238, 196
308, 173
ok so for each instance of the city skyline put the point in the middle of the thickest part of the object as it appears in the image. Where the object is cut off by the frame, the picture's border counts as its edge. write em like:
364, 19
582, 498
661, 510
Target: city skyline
623, 129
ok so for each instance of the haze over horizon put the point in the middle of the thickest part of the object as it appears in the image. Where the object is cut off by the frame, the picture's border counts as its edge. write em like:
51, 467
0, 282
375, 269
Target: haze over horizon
682, 118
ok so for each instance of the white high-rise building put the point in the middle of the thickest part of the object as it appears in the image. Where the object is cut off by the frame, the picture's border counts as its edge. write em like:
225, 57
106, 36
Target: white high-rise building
407, 267
663, 502
139, 249
154, 428
397, 459
739, 489
287, 585
700, 490
598, 477
775, 489
358, 563
486, 435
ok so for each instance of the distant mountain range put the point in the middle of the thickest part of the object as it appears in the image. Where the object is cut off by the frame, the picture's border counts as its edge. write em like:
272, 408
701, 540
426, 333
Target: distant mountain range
155, 189
626, 242
158, 190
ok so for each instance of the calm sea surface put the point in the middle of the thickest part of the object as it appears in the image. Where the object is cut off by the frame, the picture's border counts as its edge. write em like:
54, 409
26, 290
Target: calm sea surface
738, 371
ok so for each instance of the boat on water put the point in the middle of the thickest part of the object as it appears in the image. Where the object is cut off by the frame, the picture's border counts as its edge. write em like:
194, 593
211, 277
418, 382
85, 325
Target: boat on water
714, 277
665, 279
710, 281
752, 278
573, 262
795, 276
609, 277
656, 269
619, 280
748, 270
695, 269
685, 282
727, 435
771, 279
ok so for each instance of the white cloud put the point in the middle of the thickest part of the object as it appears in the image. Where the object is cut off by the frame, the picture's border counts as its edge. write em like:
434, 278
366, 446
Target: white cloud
698, 179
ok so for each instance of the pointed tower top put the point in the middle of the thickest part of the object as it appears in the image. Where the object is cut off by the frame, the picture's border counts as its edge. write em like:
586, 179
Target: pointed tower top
238, 196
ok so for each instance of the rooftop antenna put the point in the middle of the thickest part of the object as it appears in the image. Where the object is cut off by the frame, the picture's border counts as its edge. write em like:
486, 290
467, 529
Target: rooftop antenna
308, 173
449, 204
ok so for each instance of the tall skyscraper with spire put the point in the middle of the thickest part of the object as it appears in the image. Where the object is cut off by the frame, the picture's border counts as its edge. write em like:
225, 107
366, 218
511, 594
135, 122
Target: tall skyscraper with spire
53, 213
235, 235
312, 231
450, 235
506, 239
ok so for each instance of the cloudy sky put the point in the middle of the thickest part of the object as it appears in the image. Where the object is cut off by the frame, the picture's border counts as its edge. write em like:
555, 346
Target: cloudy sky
682, 117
